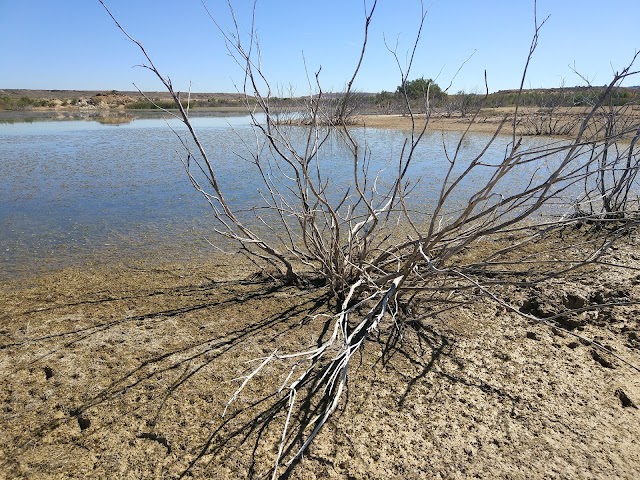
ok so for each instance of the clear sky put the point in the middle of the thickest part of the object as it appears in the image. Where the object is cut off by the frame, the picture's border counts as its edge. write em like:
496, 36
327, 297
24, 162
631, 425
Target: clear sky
73, 44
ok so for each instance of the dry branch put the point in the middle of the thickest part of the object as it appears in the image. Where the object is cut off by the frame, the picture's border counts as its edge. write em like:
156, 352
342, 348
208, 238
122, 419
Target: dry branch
344, 235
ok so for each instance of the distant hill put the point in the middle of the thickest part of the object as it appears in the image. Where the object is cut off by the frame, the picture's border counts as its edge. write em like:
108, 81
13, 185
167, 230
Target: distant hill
22, 99
66, 94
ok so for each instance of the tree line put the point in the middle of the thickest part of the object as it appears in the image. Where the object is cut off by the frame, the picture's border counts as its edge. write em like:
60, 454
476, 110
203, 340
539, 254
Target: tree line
420, 89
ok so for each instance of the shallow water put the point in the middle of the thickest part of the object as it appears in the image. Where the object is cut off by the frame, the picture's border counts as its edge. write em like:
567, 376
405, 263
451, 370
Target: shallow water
80, 191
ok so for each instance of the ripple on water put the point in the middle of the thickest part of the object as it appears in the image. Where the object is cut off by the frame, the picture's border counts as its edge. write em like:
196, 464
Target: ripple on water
76, 192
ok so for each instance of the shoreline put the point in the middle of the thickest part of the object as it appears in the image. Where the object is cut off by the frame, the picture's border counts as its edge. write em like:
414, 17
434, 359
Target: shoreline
125, 371
484, 123
487, 121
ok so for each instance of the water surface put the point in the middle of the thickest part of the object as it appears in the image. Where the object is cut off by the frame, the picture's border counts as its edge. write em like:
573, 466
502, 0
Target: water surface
73, 192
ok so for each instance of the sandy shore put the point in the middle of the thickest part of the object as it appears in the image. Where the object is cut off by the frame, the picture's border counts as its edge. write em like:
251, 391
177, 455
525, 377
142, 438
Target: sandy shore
484, 123
124, 371
488, 120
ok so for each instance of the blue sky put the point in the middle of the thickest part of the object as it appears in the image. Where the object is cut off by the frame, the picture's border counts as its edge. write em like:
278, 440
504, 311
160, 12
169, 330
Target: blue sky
73, 44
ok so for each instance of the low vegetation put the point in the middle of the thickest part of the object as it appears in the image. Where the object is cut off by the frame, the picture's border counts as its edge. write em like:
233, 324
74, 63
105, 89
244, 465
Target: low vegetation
24, 103
546, 104
20, 100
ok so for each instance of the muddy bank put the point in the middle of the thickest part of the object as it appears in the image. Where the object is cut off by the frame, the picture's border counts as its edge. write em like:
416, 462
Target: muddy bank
123, 371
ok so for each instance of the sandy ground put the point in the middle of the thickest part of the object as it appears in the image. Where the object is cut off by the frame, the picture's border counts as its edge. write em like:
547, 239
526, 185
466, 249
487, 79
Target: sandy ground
123, 372
484, 124
488, 120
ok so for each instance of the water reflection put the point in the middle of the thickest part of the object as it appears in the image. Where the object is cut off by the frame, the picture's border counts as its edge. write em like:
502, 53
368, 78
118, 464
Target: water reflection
101, 116
30, 116
78, 191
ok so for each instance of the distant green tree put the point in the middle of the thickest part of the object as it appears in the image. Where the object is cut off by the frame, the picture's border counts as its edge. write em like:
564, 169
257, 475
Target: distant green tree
419, 88
386, 101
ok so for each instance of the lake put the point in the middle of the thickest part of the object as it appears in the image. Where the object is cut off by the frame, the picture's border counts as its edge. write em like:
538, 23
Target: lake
81, 191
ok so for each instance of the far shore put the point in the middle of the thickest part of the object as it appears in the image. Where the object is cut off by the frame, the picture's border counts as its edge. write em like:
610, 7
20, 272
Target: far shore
531, 121
487, 121
554, 116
